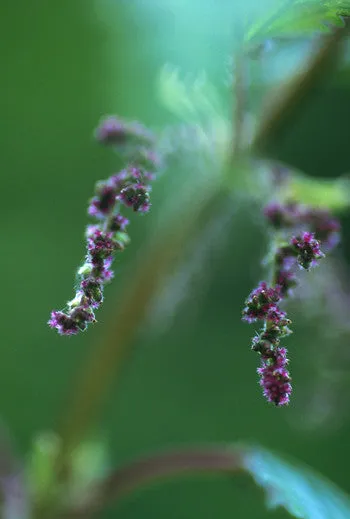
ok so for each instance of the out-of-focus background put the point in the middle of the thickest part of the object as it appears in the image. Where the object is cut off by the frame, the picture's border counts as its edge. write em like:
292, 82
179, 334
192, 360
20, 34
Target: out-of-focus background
64, 65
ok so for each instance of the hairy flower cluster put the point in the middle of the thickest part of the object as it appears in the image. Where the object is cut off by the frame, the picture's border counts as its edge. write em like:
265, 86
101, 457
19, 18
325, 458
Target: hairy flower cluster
128, 188
301, 248
263, 304
275, 378
292, 216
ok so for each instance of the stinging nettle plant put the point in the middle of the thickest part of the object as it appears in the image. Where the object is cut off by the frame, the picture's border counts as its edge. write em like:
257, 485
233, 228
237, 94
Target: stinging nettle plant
298, 229
68, 476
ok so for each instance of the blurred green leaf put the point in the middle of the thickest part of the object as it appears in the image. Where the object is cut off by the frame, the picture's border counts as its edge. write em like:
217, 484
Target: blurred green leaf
301, 491
327, 193
299, 18
190, 99
89, 464
40, 464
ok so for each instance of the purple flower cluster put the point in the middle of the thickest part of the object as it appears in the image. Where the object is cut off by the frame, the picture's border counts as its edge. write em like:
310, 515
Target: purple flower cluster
262, 304
113, 130
302, 248
129, 188
298, 216
275, 378
308, 250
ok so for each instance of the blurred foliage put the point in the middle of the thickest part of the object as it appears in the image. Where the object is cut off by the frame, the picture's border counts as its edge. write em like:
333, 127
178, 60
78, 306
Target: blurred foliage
64, 65
303, 493
296, 18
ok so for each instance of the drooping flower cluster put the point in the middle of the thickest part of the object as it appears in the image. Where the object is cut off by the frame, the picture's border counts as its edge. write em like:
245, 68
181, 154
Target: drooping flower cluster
295, 247
298, 216
263, 305
129, 188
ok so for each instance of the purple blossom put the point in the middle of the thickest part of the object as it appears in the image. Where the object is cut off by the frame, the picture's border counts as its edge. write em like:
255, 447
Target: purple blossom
263, 302
286, 280
275, 378
277, 317
101, 245
281, 215
260, 302
319, 221
118, 179
115, 131
64, 323
92, 289
111, 131
308, 249
102, 204
127, 187
118, 223
136, 196
325, 227
82, 315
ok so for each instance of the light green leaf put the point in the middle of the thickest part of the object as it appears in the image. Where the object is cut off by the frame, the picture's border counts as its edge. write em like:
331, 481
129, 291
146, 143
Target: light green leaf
190, 99
298, 18
89, 463
301, 491
40, 464
197, 104
325, 193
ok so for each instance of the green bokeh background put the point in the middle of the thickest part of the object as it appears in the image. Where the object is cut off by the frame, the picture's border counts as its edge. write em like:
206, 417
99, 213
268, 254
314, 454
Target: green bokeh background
64, 65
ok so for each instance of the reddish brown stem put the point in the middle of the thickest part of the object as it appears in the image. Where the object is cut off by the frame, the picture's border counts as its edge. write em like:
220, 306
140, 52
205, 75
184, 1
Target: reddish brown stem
143, 472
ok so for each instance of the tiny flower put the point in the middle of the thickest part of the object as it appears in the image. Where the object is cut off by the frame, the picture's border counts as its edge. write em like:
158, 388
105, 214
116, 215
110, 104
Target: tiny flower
101, 245
277, 317
117, 181
118, 223
325, 227
102, 204
308, 249
111, 131
281, 216
107, 273
82, 316
260, 302
64, 324
263, 346
92, 290
136, 196
275, 378
286, 280
135, 173
115, 131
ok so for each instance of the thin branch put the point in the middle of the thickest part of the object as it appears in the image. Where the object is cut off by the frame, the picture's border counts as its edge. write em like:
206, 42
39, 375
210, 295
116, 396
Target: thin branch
143, 472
